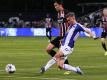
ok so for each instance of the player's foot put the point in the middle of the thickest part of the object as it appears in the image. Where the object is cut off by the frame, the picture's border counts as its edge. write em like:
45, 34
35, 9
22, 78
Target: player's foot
67, 72
79, 71
42, 70
105, 53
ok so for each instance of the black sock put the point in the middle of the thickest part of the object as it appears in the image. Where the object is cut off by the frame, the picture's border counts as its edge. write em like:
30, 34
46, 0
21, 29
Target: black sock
104, 46
50, 38
66, 61
52, 53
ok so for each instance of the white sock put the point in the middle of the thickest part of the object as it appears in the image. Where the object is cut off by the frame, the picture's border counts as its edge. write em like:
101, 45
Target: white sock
50, 63
69, 68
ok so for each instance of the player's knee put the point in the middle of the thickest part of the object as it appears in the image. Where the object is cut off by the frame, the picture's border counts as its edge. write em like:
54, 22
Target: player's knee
57, 56
48, 49
102, 41
60, 66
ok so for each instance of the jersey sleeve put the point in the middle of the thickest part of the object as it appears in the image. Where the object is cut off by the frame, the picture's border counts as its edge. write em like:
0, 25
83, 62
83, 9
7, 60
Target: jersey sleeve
81, 28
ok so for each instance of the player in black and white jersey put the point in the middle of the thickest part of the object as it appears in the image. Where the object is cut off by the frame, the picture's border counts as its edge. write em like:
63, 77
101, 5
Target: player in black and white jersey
48, 26
104, 33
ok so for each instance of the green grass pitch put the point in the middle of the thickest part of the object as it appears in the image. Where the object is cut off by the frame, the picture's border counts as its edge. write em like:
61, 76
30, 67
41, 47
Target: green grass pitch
28, 55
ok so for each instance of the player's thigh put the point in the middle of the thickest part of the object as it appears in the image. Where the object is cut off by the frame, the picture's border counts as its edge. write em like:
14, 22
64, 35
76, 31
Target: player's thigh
66, 50
46, 29
102, 39
59, 54
103, 35
60, 58
50, 47
56, 42
60, 63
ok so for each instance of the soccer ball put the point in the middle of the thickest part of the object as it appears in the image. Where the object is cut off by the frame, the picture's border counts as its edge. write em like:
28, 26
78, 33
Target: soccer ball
10, 68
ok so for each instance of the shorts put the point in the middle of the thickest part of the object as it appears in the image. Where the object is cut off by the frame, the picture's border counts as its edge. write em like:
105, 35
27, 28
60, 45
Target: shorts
104, 34
66, 50
48, 29
56, 42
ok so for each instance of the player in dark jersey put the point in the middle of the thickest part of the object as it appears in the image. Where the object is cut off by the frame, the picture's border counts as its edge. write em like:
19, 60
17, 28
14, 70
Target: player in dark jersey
57, 41
104, 33
48, 26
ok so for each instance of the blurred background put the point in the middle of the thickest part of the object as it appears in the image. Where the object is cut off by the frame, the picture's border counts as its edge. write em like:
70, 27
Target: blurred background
31, 13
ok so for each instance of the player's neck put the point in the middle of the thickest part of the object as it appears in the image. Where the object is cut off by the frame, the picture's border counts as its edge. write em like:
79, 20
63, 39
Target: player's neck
74, 22
61, 9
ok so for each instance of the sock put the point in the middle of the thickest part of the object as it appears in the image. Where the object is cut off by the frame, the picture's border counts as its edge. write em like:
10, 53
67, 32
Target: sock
66, 61
47, 35
50, 36
52, 53
69, 68
104, 46
50, 63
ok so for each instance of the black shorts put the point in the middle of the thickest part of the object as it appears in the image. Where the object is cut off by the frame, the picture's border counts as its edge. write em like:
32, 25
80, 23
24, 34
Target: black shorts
48, 29
104, 34
56, 42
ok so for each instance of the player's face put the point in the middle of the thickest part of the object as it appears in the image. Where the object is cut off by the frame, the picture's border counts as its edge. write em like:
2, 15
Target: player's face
57, 6
105, 12
70, 20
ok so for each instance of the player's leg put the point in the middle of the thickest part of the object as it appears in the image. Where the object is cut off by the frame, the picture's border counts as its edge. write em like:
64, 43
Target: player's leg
60, 58
103, 36
50, 35
47, 31
69, 67
48, 65
51, 52
103, 43
54, 43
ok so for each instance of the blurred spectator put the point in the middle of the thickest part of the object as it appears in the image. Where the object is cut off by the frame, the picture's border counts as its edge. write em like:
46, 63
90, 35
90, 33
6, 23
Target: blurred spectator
48, 26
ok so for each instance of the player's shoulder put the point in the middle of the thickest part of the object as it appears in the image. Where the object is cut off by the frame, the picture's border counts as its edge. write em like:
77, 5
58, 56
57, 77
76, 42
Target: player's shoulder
78, 24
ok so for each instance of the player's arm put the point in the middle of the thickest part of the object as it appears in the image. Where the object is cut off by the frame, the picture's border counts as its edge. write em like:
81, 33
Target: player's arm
89, 32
